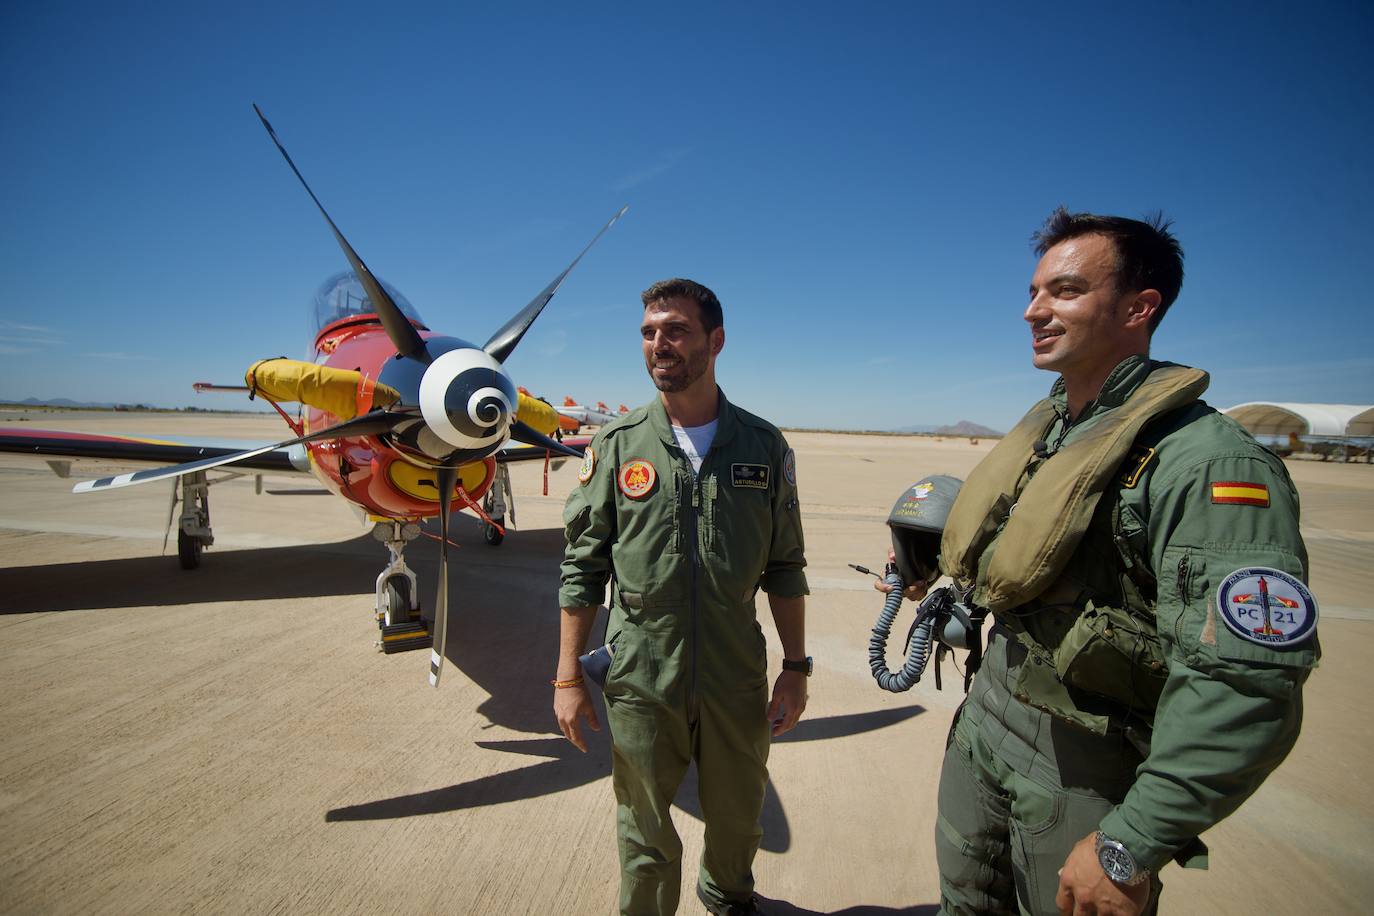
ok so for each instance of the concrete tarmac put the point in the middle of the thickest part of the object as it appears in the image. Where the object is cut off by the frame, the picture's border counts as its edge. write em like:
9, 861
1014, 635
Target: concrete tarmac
228, 739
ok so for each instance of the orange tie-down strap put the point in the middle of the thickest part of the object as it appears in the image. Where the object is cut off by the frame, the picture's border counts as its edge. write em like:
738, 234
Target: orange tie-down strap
367, 387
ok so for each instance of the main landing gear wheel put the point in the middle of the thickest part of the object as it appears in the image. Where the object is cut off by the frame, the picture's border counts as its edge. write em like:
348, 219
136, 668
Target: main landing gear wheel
189, 549
492, 534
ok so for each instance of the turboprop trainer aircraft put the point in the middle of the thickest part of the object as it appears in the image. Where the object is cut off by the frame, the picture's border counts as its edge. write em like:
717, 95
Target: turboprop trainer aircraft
599, 415
398, 420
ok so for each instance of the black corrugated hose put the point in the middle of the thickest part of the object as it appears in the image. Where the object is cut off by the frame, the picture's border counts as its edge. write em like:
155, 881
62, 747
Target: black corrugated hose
918, 639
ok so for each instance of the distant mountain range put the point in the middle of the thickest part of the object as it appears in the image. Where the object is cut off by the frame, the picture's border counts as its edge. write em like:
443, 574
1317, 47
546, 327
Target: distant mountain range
962, 428
58, 402
967, 428
69, 404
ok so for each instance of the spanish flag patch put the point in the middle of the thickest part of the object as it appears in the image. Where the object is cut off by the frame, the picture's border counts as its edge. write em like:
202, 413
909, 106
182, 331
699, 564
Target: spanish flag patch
1240, 493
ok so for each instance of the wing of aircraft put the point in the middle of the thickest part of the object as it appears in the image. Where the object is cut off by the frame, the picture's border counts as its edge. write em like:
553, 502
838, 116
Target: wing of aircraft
55, 445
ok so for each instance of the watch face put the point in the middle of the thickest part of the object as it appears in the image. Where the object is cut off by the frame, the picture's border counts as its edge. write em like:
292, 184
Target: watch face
1116, 862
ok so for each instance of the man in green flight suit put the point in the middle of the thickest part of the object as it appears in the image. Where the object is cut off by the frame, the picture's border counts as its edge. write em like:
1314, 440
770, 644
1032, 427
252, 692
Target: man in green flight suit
687, 506
1152, 627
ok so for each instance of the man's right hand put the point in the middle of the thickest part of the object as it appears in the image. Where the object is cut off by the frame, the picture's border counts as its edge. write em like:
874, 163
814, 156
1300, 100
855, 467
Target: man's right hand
570, 704
914, 591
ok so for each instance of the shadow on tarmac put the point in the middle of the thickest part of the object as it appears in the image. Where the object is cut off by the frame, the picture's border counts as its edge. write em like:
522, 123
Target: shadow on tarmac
255, 574
568, 768
344, 568
783, 908
504, 624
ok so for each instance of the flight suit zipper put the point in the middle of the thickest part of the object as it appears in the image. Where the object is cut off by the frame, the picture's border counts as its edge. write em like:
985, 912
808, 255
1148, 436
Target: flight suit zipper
695, 519
1183, 584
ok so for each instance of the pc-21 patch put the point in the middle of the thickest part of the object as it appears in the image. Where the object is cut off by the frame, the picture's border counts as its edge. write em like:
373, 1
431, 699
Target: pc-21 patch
1267, 606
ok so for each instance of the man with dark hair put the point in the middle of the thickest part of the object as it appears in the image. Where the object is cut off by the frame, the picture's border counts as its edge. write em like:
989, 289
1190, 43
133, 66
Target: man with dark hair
1152, 626
688, 506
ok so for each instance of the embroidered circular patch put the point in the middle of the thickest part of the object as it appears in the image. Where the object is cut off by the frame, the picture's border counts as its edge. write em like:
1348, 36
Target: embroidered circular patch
789, 467
1267, 606
584, 473
636, 478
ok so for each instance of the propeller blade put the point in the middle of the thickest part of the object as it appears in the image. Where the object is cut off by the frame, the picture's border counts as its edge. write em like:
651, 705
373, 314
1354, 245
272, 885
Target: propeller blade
504, 340
523, 432
403, 335
447, 477
369, 424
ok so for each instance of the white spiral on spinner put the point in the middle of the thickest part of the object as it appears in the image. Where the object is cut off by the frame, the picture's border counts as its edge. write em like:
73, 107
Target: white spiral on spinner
481, 393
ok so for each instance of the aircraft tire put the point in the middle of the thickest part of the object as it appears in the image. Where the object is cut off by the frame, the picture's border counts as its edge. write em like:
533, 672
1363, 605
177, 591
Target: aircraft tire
189, 550
492, 534
398, 597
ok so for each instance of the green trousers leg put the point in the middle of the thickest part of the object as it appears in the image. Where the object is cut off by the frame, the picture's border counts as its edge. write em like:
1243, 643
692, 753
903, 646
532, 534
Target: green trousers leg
732, 765
1017, 790
651, 750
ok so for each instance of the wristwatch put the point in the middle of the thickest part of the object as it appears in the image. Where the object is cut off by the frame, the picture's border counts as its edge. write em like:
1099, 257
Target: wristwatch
799, 664
1116, 860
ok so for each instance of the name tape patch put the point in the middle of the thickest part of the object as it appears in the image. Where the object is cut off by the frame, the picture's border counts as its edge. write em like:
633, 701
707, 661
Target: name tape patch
1267, 606
752, 476
1240, 493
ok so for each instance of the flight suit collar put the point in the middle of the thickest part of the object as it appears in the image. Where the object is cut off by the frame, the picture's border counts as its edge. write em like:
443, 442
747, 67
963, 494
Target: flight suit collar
1120, 385
727, 422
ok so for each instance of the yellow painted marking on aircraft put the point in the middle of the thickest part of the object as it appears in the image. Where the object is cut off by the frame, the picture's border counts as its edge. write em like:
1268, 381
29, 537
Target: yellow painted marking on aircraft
419, 482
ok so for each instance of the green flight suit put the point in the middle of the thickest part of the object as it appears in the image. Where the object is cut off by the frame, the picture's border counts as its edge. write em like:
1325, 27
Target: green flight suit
685, 555
1173, 736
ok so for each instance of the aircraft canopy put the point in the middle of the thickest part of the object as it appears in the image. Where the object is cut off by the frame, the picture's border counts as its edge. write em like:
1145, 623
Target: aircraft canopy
1335, 421
343, 296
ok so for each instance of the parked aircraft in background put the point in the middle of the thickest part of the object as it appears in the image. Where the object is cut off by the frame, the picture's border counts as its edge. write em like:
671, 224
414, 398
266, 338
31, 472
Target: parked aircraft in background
599, 415
1345, 449
395, 418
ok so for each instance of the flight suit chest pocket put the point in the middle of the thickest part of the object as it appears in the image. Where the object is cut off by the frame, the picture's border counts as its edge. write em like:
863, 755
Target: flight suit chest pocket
649, 542
737, 511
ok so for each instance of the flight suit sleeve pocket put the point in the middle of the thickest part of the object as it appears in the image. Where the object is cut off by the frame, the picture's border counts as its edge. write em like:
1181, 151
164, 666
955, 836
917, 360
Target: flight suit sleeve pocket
576, 521
1241, 606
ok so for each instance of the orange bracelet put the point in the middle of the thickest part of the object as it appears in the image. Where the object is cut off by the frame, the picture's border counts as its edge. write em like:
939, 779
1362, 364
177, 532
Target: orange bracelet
560, 685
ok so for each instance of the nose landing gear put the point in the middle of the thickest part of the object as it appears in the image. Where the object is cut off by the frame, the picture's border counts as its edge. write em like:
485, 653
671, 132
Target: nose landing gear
494, 505
402, 626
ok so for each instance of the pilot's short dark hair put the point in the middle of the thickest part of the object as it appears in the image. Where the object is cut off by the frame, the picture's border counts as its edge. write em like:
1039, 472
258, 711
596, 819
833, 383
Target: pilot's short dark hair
1148, 256
677, 288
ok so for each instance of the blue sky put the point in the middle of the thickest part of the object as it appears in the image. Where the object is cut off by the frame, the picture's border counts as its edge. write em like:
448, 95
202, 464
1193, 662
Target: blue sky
858, 183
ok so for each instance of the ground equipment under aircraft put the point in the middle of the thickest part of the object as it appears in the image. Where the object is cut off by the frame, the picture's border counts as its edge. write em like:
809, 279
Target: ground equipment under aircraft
396, 419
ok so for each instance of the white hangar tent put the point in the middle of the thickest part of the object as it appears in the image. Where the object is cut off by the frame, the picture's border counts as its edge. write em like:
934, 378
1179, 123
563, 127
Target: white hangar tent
1328, 421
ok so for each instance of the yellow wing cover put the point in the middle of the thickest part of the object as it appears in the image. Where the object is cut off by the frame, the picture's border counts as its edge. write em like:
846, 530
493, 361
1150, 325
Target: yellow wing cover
537, 414
345, 393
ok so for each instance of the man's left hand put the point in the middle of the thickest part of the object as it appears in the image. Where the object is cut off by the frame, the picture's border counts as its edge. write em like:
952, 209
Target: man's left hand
789, 701
1085, 889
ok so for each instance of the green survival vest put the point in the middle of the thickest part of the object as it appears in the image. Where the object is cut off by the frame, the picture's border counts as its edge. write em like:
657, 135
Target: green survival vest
1017, 524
